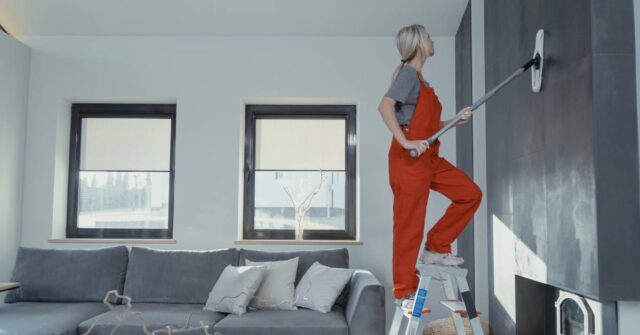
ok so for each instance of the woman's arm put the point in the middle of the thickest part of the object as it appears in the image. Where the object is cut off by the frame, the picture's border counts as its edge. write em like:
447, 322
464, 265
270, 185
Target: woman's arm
387, 111
464, 119
444, 123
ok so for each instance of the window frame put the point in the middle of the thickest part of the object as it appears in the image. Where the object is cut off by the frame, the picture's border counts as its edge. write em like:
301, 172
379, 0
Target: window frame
109, 110
262, 111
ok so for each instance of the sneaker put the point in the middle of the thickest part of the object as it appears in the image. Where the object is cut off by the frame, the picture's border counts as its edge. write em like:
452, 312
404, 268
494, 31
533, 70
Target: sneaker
407, 301
436, 258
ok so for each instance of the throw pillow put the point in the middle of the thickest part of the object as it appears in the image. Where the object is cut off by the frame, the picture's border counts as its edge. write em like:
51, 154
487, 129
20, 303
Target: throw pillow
320, 286
277, 290
234, 289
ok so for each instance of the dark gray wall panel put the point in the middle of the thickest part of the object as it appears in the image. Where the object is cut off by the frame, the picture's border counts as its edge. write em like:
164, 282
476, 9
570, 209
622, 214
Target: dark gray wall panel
569, 35
562, 165
464, 133
530, 202
610, 20
615, 147
570, 188
616, 170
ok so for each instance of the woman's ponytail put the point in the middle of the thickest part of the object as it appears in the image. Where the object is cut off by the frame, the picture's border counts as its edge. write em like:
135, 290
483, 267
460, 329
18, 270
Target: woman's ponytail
408, 40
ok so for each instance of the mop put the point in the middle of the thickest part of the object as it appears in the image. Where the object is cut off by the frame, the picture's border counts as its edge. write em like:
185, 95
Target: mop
536, 62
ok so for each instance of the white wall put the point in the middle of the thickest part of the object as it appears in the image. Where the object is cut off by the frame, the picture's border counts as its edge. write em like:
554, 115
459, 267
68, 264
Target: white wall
209, 77
628, 317
629, 311
14, 77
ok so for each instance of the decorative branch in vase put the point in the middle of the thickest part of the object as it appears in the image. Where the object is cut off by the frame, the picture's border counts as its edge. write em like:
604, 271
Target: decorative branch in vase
302, 206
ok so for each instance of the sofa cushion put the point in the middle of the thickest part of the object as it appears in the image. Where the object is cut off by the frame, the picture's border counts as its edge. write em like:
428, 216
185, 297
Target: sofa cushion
234, 289
156, 316
274, 322
321, 286
175, 276
68, 275
277, 290
46, 318
335, 258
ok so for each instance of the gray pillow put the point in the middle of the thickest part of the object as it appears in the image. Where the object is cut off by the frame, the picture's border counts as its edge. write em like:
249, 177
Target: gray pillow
234, 289
277, 290
336, 258
320, 286
175, 276
73, 275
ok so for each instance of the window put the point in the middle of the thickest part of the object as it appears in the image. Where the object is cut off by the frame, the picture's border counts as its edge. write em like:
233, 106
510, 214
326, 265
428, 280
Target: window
299, 172
121, 171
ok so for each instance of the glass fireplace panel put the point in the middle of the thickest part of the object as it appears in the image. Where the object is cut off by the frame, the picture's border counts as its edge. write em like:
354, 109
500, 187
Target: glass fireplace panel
571, 318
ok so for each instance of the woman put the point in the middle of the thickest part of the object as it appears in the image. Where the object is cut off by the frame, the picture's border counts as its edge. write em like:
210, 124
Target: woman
411, 110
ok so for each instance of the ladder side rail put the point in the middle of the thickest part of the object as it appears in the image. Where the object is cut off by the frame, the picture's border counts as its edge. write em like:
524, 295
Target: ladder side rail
451, 294
398, 316
418, 303
470, 306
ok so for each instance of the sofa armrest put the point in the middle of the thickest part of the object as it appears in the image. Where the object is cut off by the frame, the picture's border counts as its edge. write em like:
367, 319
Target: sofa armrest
365, 312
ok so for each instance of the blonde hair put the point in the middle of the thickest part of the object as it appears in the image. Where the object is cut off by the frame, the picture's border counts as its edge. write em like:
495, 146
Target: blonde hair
408, 40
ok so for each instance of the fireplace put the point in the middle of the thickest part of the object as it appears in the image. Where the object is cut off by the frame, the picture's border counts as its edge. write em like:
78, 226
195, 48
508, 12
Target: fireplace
574, 316
546, 309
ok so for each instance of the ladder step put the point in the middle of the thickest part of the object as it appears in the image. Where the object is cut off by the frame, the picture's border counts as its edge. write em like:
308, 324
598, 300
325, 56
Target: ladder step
408, 312
457, 307
436, 270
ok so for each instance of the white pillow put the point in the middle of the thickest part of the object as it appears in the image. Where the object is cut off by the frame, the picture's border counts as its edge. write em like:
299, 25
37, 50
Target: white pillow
320, 287
234, 289
277, 290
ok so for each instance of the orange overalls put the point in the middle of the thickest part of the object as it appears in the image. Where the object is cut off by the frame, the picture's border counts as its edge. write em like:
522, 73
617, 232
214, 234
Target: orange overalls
410, 179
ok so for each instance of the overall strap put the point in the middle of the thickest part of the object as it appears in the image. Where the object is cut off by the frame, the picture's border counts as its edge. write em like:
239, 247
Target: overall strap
422, 82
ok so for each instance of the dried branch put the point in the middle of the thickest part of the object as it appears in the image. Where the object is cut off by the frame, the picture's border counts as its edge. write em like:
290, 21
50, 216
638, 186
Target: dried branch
302, 207
128, 311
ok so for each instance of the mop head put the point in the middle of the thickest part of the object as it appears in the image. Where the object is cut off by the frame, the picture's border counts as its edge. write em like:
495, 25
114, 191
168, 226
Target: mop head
538, 54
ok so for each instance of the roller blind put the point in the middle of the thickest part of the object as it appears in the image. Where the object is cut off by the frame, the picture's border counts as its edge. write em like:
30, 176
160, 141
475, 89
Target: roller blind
125, 144
300, 144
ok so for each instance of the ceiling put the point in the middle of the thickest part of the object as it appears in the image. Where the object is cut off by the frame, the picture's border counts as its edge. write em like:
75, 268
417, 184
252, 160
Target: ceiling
228, 17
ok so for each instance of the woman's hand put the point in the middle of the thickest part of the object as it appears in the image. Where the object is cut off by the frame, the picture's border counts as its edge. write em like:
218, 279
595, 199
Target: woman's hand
466, 115
421, 146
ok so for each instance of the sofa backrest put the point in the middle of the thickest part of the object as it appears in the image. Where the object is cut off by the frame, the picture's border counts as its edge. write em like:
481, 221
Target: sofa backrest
175, 276
144, 274
336, 258
68, 275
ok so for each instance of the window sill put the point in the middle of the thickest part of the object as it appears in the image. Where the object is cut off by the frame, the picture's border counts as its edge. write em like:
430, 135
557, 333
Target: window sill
114, 241
307, 242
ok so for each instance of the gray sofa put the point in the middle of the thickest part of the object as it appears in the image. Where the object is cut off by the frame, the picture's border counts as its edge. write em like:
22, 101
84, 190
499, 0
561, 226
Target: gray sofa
62, 291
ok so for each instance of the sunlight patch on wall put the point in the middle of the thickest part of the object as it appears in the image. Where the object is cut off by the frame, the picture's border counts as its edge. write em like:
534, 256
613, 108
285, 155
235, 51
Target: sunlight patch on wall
512, 257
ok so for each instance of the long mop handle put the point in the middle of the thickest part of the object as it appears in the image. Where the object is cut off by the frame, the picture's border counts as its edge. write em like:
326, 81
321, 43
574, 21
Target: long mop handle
481, 101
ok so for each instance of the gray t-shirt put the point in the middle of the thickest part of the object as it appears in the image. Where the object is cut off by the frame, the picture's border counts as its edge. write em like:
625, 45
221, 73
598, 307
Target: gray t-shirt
404, 91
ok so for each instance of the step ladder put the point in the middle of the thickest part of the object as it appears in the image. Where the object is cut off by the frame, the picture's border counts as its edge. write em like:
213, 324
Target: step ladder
458, 308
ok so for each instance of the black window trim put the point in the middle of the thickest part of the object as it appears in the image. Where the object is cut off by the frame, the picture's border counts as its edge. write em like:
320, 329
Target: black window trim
253, 112
109, 110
